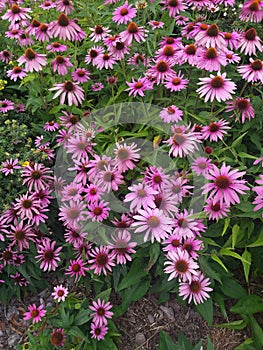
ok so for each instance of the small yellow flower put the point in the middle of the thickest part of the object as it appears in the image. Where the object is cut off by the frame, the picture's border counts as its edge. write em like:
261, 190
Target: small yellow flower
11, 63
2, 84
26, 163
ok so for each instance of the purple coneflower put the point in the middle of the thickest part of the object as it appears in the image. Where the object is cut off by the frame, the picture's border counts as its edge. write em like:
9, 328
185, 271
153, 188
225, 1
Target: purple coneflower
101, 312
173, 6
47, 5
161, 71
232, 39
64, 29
250, 42
76, 269
73, 213
176, 83
42, 32
33, 60
97, 87
36, 176
70, 90
187, 226
48, 255
141, 196
124, 14
156, 178
259, 191
60, 293
156, 24
171, 114
138, 87
241, 106
61, 64
9, 165
210, 59
16, 73
215, 130
216, 210
65, 6
98, 332
98, 211
99, 33
16, 13
125, 156
56, 47
252, 72
21, 234
252, 11
197, 289
201, 165
174, 241
81, 75
5, 56
36, 313
58, 337
51, 126
6, 105
133, 32
211, 37
122, 247
101, 260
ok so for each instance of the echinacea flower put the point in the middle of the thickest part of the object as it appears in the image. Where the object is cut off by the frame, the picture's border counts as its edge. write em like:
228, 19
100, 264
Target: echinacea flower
98, 332
58, 337
42, 32
187, 226
77, 268
101, 260
180, 265
173, 6
138, 87
156, 24
216, 87
65, 28
126, 156
225, 185
81, 75
123, 14
161, 71
70, 90
98, 211
216, 210
156, 178
36, 313
210, 59
211, 37
241, 106
259, 191
60, 293
5, 56
6, 105
122, 246
215, 130
98, 33
48, 255
16, 73
250, 42
56, 47
141, 196
9, 165
20, 234
133, 32
33, 60
197, 289
251, 11
101, 312
61, 64
176, 82
36, 176
171, 114
201, 165
252, 72
73, 213
16, 13
65, 6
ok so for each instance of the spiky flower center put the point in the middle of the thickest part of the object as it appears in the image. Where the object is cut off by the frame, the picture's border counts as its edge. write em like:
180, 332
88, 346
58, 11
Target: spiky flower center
170, 110
27, 203
176, 81
60, 60
97, 331
168, 50
73, 119
157, 179
216, 207
102, 259
63, 20
124, 11
66, 2
119, 45
181, 266
99, 30
228, 36
35, 23
56, 45
7, 255
36, 174
102, 164
17, 70
60, 293
15, 9
108, 176
195, 287
250, 34
213, 30
141, 193
182, 223
242, 104
6, 53
49, 255
162, 67
93, 53
34, 313
203, 26
138, 85
173, 3
4, 104
175, 243
153, 221
56, 338
97, 211
69, 86
93, 191
211, 53
191, 49
217, 82
222, 182
158, 199
123, 154
43, 27
30, 54
73, 213
178, 139
20, 235
132, 28
188, 247
106, 57
170, 40
214, 127
76, 267
256, 65
254, 6
101, 311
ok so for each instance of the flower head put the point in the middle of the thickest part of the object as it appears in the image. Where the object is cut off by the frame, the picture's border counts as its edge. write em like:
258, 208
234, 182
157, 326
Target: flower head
36, 313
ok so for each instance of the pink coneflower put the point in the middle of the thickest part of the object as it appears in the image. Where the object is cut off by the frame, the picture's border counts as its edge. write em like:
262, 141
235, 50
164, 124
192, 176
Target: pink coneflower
31, 28
72, 214
201, 165
33, 60
101, 260
125, 156
124, 221
98, 332
97, 165
171, 114
216, 87
211, 37
156, 24
25, 40
183, 141
69, 120
225, 186
99, 33
98, 211
42, 32
250, 42
9, 165
76, 269
97, 87
101, 312
73, 236
58, 337
161, 71
14, 33
51, 126
137, 59
166, 53
122, 246
188, 53
180, 265
105, 61
216, 210
47, 5
36, 313
61, 64
65, 6
27, 206
154, 222
155, 178
166, 202
19, 280
70, 90
174, 241
187, 226
241, 106
93, 193
196, 289
138, 87
259, 191
44, 197
192, 245
16, 73
36, 176
124, 14
93, 54
211, 59
6, 105
141, 196
232, 39
110, 179
81, 75
73, 192
64, 28
133, 32
56, 47
198, 4
253, 71
173, 6
60, 293
48, 255
176, 83
17, 14
215, 130
251, 11
231, 57
21, 234
119, 49
5, 56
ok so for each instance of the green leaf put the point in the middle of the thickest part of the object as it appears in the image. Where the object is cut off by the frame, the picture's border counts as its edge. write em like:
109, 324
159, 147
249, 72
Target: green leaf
76, 332
154, 255
135, 292
239, 324
136, 273
257, 332
258, 242
226, 224
232, 288
228, 252
210, 345
206, 310
246, 266
246, 155
237, 142
235, 231
82, 317
249, 304
104, 295
184, 341
167, 343
219, 261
